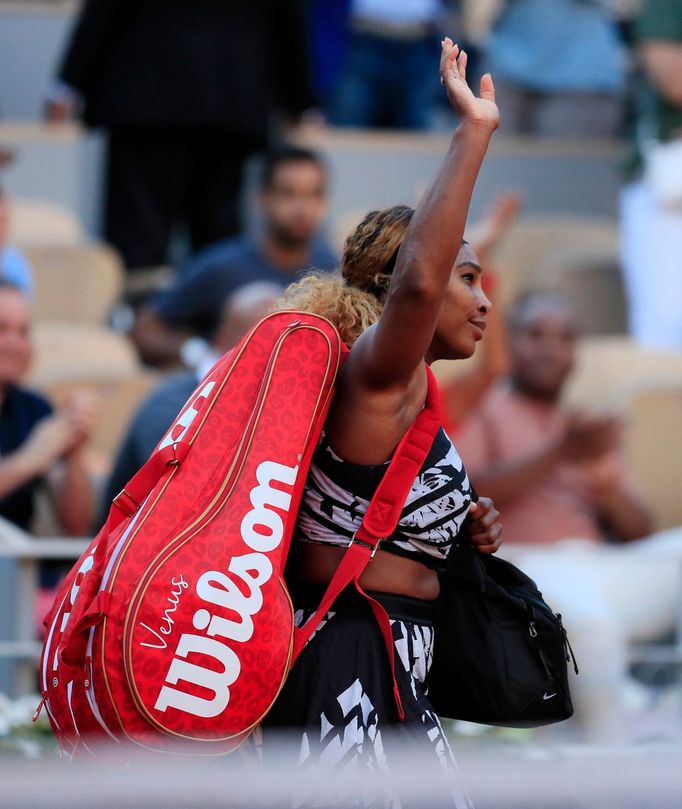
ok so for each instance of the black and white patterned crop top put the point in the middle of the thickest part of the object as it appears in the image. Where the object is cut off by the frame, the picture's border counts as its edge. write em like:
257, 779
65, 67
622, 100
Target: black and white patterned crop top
337, 494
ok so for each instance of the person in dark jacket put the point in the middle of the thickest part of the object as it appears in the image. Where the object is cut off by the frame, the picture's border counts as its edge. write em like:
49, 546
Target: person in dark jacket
186, 90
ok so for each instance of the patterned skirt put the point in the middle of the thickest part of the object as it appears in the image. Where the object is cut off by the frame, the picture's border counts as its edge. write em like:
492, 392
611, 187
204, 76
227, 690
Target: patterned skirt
339, 712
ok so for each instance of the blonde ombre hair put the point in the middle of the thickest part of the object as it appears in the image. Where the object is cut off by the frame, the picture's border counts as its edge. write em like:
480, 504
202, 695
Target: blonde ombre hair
352, 299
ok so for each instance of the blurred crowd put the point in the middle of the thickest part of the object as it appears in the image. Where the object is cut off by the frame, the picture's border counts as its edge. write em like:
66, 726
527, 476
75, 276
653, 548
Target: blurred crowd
188, 92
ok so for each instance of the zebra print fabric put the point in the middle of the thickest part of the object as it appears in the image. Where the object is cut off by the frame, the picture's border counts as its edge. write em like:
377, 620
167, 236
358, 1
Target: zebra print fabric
337, 494
338, 704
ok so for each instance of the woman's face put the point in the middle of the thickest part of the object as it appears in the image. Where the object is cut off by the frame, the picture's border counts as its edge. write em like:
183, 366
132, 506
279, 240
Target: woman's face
462, 318
15, 340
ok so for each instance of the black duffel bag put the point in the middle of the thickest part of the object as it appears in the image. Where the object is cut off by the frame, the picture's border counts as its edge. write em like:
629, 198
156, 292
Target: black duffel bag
500, 653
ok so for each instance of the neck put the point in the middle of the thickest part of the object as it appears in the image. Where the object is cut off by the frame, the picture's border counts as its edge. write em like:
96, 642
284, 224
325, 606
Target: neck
285, 255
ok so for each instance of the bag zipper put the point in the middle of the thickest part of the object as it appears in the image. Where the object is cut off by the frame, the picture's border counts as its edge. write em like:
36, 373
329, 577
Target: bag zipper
533, 632
568, 649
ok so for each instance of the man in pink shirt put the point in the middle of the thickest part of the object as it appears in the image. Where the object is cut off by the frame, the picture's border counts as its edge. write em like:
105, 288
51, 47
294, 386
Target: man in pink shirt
560, 484
553, 474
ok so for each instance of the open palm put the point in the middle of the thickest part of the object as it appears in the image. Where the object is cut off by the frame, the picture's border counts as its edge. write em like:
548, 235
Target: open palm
482, 110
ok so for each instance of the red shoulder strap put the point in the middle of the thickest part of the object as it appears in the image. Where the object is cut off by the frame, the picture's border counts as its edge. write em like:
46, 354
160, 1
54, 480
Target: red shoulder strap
379, 522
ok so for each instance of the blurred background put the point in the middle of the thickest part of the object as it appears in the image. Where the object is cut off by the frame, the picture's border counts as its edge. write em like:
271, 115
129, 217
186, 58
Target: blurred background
166, 168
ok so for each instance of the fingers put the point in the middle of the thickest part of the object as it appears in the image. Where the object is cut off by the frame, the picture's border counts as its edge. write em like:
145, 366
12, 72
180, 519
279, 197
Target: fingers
488, 541
507, 206
452, 58
82, 425
462, 60
490, 548
487, 90
80, 410
480, 508
449, 54
51, 437
482, 516
485, 532
483, 523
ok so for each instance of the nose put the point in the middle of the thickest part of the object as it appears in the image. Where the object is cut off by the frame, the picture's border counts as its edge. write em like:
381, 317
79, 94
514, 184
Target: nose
483, 303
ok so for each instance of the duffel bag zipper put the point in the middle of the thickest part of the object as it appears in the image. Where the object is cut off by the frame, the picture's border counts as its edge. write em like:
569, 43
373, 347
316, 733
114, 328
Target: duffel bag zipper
568, 649
533, 632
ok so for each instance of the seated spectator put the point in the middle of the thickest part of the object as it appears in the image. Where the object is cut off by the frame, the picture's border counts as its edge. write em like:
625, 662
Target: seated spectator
552, 473
38, 445
563, 490
293, 204
241, 310
35, 442
14, 268
559, 68
387, 78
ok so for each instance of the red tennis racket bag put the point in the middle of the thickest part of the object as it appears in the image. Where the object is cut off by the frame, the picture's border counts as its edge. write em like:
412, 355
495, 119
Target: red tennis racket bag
175, 625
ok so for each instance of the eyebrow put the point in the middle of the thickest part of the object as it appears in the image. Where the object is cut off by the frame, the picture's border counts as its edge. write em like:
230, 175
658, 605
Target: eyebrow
472, 264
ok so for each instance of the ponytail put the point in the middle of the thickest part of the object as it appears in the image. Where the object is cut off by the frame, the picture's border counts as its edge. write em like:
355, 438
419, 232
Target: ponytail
350, 309
354, 298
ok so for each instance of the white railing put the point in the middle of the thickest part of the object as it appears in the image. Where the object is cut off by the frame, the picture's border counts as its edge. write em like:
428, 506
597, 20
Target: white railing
665, 655
20, 648
21, 555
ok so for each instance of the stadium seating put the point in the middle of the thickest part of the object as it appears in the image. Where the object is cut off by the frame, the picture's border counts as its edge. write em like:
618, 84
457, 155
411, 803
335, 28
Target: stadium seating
653, 448
592, 281
78, 283
38, 222
522, 255
610, 366
66, 350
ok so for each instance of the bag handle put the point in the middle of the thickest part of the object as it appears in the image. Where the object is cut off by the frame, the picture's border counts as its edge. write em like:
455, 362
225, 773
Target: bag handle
124, 505
379, 522
133, 494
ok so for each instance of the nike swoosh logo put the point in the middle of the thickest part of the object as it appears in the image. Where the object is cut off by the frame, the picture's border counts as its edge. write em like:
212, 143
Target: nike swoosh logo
549, 696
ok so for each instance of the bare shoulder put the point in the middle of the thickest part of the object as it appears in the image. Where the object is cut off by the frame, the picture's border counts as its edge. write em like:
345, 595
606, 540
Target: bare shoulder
365, 423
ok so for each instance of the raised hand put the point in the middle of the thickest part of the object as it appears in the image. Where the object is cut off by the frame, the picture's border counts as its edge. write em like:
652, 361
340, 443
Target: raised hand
482, 111
496, 224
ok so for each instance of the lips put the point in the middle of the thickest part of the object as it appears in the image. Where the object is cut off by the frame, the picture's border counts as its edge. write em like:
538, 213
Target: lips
479, 325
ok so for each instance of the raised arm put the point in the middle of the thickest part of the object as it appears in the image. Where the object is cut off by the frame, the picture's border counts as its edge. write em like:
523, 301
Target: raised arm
388, 354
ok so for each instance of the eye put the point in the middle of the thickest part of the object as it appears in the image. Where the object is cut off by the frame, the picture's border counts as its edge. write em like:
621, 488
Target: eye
468, 277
